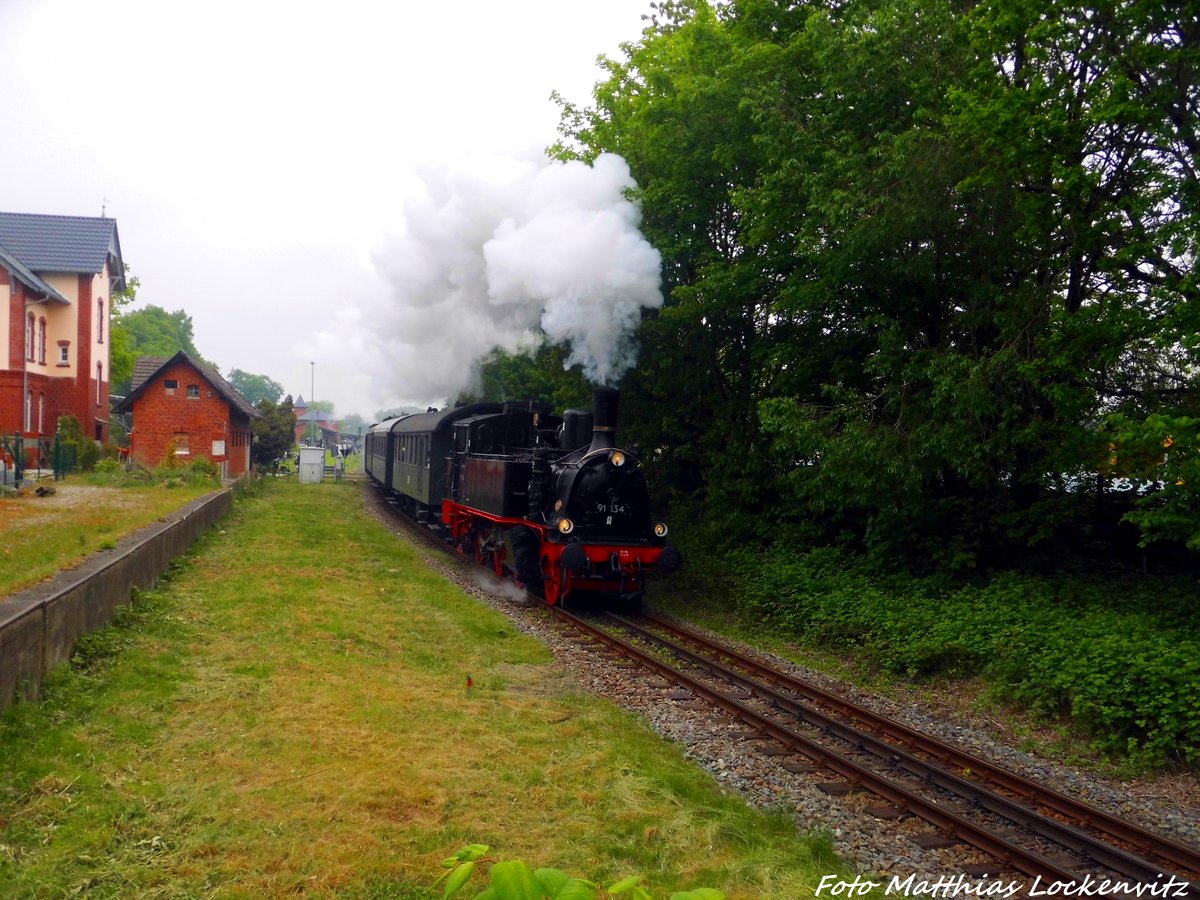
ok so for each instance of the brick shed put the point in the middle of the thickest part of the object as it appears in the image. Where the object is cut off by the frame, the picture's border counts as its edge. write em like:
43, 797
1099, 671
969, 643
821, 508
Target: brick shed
182, 402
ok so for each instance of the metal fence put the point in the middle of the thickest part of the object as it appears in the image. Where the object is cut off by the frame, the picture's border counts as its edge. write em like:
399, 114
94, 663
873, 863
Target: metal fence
22, 460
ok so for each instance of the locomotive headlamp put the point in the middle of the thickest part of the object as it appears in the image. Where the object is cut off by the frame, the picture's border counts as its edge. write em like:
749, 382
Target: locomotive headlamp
565, 525
660, 529
617, 458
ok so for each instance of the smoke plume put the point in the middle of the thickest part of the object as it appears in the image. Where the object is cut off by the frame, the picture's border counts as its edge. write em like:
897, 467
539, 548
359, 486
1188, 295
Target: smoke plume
498, 248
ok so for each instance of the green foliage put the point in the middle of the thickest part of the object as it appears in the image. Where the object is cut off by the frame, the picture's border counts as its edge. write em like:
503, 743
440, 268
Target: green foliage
255, 388
914, 253
540, 375
173, 473
78, 445
1163, 450
275, 432
121, 356
108, 467
1117, 658
152, 331
515, 880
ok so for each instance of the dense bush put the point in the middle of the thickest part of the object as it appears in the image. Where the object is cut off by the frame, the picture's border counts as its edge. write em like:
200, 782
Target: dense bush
1118, 658
198, 472
76, 445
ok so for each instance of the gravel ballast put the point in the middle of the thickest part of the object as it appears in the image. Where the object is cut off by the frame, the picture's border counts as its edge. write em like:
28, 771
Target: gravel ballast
713, 740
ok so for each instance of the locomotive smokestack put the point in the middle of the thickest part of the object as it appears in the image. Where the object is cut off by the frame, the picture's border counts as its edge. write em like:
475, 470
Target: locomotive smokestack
604, 418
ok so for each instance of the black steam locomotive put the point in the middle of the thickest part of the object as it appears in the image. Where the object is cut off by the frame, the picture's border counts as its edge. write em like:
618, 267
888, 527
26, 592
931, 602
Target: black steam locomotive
549, 500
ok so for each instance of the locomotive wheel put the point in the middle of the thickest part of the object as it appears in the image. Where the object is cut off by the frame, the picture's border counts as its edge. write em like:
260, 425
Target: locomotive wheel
551, 582
490, 558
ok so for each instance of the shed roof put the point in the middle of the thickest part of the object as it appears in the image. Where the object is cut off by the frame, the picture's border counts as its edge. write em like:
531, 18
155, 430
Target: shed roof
147, 367
63, 243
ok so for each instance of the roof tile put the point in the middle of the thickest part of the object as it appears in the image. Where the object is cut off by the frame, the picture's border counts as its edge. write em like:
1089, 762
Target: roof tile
60, 243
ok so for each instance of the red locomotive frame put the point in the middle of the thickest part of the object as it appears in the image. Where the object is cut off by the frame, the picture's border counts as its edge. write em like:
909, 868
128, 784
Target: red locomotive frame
610, 568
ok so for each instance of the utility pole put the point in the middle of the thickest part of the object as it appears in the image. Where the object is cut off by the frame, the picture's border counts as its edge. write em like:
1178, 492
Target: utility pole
312, 410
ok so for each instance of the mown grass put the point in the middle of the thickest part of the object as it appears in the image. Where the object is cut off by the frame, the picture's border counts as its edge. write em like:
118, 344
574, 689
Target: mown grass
40, 536
289, 714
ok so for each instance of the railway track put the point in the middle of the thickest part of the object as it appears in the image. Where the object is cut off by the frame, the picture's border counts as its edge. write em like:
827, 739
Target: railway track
1070, 848
1025, 827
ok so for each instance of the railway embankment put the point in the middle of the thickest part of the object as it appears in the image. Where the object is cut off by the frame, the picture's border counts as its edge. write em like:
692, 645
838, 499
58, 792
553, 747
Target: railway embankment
39, 626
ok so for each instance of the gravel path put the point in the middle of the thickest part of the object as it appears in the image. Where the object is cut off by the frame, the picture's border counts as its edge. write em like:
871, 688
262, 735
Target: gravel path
713, 740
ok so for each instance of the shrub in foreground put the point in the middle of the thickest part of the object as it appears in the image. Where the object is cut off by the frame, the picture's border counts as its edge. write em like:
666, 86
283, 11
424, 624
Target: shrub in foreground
514, 880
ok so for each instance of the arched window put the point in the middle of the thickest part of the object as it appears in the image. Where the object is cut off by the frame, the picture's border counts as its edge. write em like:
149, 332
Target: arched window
28, 410
29, 337
42, 340
41, 413
99, 380
100, 321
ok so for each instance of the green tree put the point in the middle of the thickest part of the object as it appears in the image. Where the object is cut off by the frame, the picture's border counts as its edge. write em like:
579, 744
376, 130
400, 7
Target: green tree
673, 109
153, 331
275, 432
539, 375
121, 357
914, 253
255, 388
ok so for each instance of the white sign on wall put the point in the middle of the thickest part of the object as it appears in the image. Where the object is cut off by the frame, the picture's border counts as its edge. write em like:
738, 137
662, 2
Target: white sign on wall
218, 448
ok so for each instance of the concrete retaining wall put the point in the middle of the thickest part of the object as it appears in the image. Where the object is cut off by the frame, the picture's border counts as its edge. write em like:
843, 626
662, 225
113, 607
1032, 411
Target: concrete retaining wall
39, 626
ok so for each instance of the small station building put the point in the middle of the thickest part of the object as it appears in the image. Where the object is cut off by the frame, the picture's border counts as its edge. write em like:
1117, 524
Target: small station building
182, 407
314, 425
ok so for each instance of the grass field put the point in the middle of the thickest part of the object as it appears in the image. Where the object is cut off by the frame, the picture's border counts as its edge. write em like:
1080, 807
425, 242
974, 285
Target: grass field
288, 714
41, 535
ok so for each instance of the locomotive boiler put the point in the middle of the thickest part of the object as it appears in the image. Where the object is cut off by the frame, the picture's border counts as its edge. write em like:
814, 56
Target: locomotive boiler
551, 501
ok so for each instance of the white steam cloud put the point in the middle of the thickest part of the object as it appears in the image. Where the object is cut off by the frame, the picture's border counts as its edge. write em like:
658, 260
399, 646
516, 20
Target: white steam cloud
497, 248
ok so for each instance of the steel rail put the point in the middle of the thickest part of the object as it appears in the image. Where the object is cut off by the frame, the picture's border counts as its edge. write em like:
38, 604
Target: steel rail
982, 838
1065, 835
1114, 827
991, 843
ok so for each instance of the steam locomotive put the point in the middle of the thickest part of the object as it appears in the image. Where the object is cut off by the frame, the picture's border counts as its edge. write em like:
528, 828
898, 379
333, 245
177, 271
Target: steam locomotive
549, 500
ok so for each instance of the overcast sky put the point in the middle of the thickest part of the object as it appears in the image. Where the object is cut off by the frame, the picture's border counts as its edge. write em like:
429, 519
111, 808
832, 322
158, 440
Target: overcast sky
258, 154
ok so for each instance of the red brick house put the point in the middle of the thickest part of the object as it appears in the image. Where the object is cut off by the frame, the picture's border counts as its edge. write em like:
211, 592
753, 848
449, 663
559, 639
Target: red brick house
182, 405
58, 274
314, 426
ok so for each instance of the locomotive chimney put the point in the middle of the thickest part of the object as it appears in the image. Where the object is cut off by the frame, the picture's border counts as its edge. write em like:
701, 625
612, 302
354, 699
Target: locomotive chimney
604, 418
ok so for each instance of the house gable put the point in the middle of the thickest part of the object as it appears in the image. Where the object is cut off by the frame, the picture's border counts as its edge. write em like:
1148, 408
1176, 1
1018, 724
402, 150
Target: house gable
61, 272
183, 408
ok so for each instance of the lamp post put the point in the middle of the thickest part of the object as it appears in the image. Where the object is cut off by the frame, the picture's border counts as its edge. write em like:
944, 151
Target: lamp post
312, 410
